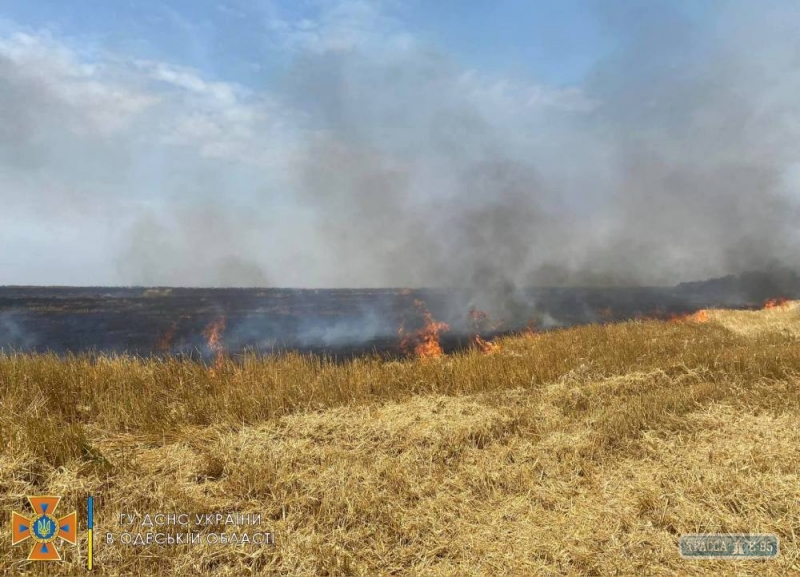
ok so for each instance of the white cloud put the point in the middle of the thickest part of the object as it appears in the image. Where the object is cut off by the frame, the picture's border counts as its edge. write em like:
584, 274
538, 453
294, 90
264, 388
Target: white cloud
221, 93
340, 25
102, 103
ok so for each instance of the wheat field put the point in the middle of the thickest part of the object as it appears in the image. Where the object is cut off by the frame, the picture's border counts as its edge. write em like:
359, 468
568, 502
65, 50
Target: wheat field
583, 451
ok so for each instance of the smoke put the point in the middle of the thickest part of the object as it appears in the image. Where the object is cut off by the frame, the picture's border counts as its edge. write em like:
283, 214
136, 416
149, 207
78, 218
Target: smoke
379, 160
13, 333
675, 161
158, 253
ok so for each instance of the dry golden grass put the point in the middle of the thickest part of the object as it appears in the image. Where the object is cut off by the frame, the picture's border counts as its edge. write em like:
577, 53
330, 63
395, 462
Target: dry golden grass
585, 451
783, 318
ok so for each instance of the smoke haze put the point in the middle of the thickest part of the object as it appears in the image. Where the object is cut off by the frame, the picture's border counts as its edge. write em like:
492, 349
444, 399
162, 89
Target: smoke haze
378, 160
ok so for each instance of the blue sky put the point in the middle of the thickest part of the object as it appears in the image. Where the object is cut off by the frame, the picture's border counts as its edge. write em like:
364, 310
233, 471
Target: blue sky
413, 136
554, 41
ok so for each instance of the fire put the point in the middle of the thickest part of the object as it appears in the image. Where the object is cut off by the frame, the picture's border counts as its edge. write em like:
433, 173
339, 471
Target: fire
424, 342
213, 334
607, 314
481, 322
165, 342
700, 316
485, 346
479, 318
776, 303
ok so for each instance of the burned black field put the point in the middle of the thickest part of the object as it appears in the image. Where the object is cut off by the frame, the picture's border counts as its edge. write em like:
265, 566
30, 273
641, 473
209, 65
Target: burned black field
199, 322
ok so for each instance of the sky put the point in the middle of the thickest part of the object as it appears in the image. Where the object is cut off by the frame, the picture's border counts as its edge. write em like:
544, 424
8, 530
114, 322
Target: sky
247, 41
348, 143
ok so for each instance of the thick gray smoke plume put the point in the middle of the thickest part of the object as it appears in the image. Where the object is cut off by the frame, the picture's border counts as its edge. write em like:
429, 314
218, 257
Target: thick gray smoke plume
676, 161
380, 161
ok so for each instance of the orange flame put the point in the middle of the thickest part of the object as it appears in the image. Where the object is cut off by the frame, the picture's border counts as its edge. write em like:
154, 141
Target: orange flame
479, 318
213, 334
776, 303
700, 316
482, 322
165, 342
424, 342
531, 330
485, 346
